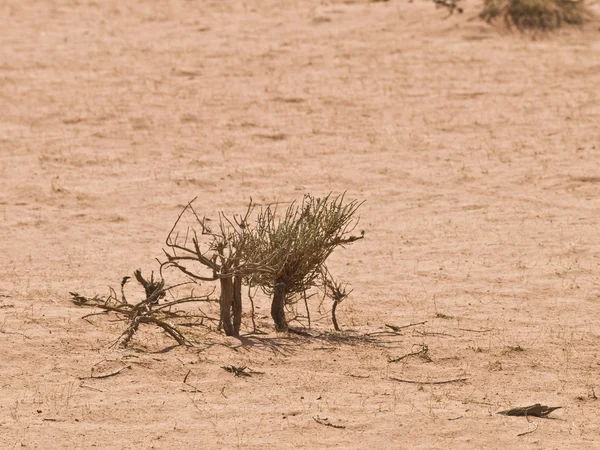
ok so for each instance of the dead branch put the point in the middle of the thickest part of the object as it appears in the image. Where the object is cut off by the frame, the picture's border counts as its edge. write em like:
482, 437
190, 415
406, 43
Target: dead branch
148, 311
221, 251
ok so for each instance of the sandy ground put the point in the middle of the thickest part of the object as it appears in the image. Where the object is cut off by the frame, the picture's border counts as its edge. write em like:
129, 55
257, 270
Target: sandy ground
475, 150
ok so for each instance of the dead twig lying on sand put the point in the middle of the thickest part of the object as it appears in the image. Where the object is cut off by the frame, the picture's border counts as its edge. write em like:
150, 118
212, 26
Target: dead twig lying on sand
529, 431
325, 421
454, 380
111, 374
398, 328
536, 410
239, 371
423, 353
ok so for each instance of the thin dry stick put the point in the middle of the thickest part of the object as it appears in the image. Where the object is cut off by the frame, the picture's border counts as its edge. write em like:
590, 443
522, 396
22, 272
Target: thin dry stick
327, 423
308, 309
237, 371
396, 328
112, 374
455, 380
14, 332
90, 388
251, 298
422, 352
333, 316
195, 389
530, 431
93, 314
432, 333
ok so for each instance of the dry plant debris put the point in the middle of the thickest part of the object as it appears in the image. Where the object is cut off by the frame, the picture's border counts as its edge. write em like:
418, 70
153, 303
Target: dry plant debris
239, 371
295, 245
148, 311
282, 254
337, 291
107, 375
450, 5
537, 410
398, 328
543, 15
325, 421
453, 380
423, 352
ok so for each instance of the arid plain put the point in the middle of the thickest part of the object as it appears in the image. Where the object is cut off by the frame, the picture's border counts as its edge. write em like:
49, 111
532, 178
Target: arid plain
476, 152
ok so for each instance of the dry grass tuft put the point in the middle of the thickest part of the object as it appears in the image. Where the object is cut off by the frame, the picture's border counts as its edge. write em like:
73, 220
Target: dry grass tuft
542, 15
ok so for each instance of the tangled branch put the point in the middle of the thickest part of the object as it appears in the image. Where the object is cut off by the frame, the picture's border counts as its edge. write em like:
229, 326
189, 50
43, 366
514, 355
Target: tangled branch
148, 311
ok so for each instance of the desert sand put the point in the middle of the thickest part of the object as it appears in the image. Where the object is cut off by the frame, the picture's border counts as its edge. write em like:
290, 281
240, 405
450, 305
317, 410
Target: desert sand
476, 151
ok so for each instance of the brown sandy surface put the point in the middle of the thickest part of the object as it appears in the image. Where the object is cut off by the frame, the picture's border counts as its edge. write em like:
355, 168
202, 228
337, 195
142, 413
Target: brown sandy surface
476, 152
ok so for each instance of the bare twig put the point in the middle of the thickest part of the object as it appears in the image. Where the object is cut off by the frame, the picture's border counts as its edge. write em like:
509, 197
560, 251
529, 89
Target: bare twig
454, 380
145, 312
111, 374
237, 371
325, 421
398, 328
337, 291
90, 388
529, 431
251, 298
15, 332
432, 333
94, 314
423, 353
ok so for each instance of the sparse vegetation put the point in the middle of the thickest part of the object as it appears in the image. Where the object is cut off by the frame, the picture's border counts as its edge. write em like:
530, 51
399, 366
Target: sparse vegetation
148, 311
296, 246
544, 15
284, 256
221, 252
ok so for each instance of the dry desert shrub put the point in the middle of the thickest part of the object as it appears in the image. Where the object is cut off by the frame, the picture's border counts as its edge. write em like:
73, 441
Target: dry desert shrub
542, 15
296, 245
282, 253
205, 253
